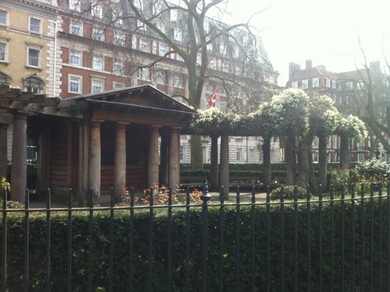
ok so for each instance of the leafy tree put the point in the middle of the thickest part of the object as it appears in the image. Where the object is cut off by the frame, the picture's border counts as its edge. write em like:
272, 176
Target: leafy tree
195, 53
323, 119
348, 128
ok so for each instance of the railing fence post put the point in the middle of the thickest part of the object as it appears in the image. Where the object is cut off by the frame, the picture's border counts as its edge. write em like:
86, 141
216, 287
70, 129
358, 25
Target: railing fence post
4, 242
205, 197
27, 241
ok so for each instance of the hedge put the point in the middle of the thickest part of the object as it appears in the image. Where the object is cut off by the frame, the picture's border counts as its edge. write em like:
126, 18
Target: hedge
337, 242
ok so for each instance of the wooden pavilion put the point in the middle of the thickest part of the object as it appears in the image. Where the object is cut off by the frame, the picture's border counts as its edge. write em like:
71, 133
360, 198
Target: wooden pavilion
122, 138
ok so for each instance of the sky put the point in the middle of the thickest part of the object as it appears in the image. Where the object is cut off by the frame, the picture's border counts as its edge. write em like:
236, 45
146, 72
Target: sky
326, 32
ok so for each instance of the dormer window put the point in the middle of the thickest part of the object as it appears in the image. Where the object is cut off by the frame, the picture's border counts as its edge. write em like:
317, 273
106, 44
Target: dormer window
316, 82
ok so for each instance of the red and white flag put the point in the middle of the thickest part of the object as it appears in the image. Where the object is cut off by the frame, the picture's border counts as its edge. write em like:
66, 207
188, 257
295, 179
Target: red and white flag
214, 96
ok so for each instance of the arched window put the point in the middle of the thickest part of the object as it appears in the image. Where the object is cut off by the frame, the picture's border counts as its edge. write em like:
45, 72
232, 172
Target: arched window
5, 78
34, 83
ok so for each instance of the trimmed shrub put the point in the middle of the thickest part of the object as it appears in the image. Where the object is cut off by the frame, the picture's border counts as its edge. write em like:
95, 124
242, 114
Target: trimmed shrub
288, 193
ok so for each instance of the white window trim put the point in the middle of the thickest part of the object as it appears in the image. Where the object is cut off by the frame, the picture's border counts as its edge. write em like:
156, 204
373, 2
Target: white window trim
80, 58
119, 38
116, 85
80, 84
5, 51
98, 29
121, 67
40, 25
97, 10
140, 75
97, 80
95, 58
71, 27
142, 48
305, 84
32, 47
6, 18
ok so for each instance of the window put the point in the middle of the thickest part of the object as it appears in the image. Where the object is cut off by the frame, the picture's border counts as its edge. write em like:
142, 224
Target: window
97, 86
34, 83
173, 15
238, 154
350, 85
327, 82
34, 57
225, 67
117, 85
75, 58
209, 47
334, 84
141, 25
74, 84
294, 84
163, 49
97, 63
177, 82
179, 58
361, 146
213, 64
360, 157
35, 25
3, 17
144, 46
251, 155
181, 152
97, 34
238, 70
118, 67
177, 34
3, 52
75, 28
360, 85
74, 5
305, 84
316, 82
119, 39
222, 49
160, 78
144, 73
97, 10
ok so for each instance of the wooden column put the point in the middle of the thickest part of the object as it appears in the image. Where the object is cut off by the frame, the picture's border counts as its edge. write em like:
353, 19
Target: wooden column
153, 157
43, 163
19, 158
120, 161
3, 150
94, 177
174, 159
224, 172
214, 163
81, 164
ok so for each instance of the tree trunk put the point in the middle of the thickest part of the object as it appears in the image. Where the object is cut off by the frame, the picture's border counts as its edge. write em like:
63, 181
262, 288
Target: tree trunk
266, 169
303, 160
344, 155
196, 152
290, 160
322, 162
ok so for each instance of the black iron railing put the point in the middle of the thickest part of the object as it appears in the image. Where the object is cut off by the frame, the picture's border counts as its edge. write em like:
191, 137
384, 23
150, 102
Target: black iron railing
322, 243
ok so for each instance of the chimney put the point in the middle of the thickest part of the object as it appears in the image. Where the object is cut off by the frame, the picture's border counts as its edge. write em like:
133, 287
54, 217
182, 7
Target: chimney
375, 66
292, 70
309, 65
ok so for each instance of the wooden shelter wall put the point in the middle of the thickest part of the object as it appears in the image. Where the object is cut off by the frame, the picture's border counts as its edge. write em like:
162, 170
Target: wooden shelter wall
137, 147
59, 156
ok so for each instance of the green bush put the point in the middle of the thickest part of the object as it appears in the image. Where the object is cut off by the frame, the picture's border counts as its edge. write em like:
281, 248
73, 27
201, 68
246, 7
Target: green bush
339, 257
289, 193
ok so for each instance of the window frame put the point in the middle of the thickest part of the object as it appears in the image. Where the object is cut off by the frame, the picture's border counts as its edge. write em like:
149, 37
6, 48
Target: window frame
96, 10
5, 23
71, 57
144, 74
118, 67
93, 82
79, 84
98, 31
5, 53
144, 46
78, 25
305, 83
39, 58
119, 38
115, 85
98, 65
35, 28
